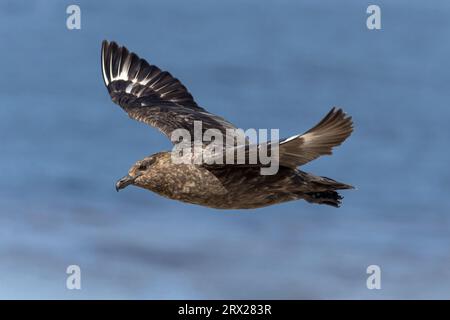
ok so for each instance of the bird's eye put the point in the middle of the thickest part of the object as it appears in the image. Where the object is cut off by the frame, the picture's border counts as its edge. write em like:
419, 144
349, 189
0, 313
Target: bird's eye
142, 167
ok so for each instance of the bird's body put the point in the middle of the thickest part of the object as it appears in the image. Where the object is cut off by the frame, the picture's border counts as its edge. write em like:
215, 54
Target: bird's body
231, 187
150, 95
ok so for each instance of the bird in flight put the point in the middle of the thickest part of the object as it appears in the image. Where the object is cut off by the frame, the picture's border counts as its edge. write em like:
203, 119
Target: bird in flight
156, 98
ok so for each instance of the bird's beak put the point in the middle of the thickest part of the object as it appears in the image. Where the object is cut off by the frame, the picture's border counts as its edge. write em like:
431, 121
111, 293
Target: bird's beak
124, 182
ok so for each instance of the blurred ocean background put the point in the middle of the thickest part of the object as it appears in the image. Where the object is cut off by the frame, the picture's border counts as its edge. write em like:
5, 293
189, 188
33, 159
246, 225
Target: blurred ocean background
260, 64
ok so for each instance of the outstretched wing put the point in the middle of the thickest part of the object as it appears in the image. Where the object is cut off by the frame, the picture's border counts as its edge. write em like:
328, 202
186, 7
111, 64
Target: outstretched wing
295, 151
330, 132
153, 96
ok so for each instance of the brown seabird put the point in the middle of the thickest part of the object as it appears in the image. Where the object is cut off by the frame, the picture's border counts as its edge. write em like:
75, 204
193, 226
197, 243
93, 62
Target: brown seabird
155, 97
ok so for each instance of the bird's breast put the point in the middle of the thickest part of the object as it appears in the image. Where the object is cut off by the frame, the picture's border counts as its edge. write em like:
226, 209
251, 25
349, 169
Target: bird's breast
186, 182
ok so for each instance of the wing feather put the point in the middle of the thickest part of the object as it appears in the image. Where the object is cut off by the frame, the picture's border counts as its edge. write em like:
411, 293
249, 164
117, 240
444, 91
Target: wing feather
300, 149
330, 132
151, 95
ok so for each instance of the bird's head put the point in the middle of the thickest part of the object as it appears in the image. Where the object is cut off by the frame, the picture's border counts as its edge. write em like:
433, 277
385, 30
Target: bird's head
138, 173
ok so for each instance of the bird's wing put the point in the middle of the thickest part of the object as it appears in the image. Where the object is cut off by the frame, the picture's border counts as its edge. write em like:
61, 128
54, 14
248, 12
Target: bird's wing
295, 151
330, 132
153, 96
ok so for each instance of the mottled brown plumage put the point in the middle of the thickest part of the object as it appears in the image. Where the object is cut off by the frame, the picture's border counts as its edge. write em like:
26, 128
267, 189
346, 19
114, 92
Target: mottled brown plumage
153, 96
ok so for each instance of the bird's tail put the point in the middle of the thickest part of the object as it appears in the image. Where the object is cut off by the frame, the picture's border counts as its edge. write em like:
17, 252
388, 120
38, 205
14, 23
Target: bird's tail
324, 191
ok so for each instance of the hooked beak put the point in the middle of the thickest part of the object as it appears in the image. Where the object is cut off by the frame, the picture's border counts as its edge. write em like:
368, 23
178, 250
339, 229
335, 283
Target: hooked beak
124, 182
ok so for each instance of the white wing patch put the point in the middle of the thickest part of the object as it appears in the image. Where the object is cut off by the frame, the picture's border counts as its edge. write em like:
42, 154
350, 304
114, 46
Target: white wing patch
129, 87
122, 72
290, 138
105, 78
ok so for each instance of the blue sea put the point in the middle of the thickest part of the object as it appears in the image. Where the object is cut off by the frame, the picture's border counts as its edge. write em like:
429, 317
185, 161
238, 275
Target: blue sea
260, 64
